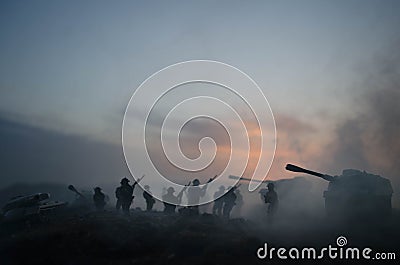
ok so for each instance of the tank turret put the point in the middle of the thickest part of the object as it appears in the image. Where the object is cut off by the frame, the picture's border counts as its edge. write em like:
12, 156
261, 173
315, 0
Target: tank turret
354, 193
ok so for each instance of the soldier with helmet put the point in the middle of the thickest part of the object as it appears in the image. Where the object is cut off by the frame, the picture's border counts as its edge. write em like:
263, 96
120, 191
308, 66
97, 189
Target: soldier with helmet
171, 200
229, 199
99, 199
124, 194
148, 197
194, 192
169, 207
218, 201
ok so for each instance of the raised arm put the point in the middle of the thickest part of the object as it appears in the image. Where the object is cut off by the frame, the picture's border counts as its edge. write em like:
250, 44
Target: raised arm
180, 194
204, 189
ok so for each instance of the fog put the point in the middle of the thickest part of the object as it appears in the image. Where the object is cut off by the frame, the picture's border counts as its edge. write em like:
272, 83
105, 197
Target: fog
300, 197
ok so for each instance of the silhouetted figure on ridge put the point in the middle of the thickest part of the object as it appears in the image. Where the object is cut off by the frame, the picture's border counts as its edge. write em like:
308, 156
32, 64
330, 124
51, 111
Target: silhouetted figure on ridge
271, 198
194, 193
218, 203
150, 201
124, 194
229, 201
99, 199
239, 203
170, 200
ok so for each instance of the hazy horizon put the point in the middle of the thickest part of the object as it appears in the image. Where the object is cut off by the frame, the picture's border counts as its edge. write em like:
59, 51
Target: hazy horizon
330, 71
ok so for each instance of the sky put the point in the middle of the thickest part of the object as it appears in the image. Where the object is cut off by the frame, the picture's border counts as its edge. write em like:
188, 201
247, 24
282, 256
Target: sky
329, 70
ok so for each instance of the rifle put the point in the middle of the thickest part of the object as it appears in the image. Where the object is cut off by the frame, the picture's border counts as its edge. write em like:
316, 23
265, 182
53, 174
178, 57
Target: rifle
211, 179
180, 194
136, 182
141, 178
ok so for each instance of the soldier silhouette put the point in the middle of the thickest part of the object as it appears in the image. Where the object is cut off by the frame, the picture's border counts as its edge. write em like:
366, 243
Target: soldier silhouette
229, 201
124, 194
148, 198
194, 193
239, 203
170, 200
218, 203
271, 198
99, 199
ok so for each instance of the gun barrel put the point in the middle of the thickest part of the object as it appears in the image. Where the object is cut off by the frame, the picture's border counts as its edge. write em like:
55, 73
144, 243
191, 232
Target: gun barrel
294, 168
247, 179
72, 188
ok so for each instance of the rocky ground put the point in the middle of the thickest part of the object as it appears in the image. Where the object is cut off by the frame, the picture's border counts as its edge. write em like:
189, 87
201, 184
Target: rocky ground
155, 238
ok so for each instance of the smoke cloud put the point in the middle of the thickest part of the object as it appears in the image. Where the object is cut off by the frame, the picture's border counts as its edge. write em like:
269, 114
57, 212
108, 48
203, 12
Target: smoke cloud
370, 139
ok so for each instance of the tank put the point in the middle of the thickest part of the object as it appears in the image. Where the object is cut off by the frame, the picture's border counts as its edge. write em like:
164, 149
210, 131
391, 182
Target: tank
355, 193
21, 208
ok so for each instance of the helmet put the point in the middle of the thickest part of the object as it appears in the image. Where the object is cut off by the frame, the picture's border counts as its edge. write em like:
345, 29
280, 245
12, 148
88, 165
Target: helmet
170, 190
222, 188
271, 185
97, 189
146, 187
124, 180
196, 182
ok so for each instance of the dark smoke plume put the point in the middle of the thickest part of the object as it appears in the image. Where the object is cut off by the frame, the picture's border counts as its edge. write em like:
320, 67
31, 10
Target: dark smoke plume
370, 140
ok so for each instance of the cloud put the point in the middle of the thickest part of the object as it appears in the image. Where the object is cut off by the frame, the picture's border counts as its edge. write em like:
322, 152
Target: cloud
298, 142
31, 154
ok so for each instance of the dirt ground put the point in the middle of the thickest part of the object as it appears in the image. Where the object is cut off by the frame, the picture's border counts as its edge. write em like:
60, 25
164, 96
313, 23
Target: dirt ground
155, 238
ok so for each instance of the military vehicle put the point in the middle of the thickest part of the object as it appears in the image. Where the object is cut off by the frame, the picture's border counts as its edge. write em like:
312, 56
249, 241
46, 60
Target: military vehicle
355, 193
27, 207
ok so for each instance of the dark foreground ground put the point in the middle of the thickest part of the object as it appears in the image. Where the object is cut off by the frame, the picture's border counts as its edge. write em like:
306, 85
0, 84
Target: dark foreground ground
155, 238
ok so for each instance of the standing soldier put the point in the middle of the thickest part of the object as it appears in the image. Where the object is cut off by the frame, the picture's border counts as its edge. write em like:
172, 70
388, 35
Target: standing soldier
124, 194
229, 201
218, 203
170, 206
194, 193
271, 197
99, 199
148, 198
239, 203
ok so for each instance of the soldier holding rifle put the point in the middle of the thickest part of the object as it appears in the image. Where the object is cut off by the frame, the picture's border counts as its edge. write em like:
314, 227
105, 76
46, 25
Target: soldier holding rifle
124, 194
